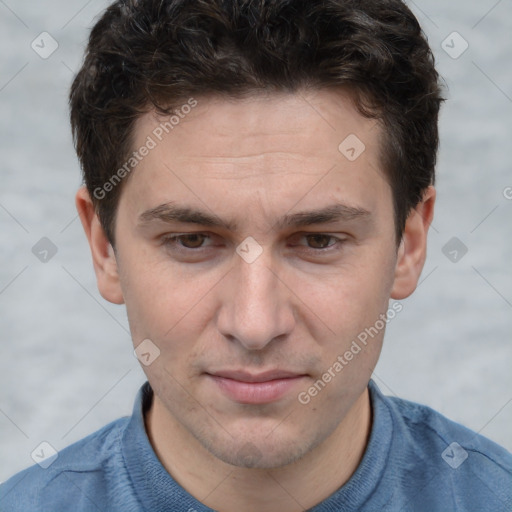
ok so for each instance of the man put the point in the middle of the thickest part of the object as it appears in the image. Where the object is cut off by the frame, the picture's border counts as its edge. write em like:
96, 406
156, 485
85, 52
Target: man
258, 186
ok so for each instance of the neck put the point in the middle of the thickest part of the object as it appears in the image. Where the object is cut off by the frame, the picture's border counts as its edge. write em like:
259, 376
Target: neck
296, 487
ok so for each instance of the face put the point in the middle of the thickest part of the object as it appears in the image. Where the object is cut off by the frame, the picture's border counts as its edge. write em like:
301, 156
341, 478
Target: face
252, 251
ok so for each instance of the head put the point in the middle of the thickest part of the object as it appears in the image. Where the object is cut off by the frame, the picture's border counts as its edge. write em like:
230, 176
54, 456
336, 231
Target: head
292, 146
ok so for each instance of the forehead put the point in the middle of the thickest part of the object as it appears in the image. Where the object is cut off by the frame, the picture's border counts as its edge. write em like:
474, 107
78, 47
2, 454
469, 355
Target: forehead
320, 119
267, 149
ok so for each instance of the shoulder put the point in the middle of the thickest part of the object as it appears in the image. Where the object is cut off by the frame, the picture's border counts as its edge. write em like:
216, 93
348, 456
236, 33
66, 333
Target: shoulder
74, 480
451, 464
432, 429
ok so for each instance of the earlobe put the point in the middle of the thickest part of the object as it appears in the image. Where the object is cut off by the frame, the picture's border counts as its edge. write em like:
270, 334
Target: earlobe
103, 255
413, 247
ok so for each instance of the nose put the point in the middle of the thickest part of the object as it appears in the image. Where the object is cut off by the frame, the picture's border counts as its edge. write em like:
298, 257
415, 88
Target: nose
256, 304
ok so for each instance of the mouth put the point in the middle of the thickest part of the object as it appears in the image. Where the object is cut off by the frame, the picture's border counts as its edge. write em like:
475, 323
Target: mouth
260, 388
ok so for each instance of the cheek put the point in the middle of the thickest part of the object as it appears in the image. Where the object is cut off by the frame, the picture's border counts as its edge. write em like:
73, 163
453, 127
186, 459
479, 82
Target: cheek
164, 304
351, 303
351, 297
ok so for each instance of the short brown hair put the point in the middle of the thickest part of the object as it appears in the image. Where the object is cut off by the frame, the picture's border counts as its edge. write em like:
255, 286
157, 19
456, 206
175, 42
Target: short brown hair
156, 54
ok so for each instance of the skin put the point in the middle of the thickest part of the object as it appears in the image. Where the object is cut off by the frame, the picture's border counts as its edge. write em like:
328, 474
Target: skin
297, 307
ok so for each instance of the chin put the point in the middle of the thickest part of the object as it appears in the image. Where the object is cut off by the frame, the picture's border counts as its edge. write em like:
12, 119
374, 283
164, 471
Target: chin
261, 453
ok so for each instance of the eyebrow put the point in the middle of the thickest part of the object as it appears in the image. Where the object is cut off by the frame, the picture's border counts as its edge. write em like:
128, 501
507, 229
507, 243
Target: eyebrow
170, 212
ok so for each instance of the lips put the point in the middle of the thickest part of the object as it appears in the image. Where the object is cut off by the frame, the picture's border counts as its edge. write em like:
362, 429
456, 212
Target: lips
252, 388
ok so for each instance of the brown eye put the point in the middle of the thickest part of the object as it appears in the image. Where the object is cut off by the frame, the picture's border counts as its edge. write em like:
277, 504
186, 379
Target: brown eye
319, 241
192, 241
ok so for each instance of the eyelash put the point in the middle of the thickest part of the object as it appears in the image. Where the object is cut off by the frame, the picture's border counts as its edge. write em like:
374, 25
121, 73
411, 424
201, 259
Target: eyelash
171, 242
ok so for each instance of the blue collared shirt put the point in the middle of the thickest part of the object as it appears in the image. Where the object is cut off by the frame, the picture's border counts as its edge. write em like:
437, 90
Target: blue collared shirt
416, 460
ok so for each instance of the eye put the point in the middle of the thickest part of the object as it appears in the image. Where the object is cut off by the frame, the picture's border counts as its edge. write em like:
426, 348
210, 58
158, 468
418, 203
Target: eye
318, 243
320, 240
186, 241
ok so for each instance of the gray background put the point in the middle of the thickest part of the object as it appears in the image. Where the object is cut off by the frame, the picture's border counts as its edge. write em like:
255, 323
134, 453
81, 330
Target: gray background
66, 363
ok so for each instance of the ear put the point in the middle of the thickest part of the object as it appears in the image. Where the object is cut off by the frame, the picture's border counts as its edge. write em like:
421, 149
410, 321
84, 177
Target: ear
103, 256
413, 247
